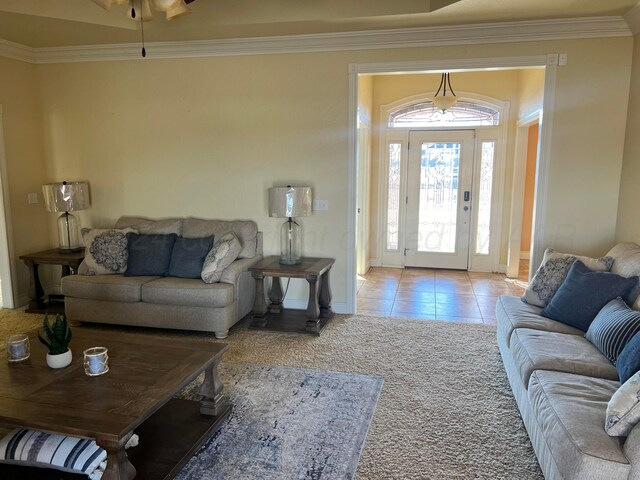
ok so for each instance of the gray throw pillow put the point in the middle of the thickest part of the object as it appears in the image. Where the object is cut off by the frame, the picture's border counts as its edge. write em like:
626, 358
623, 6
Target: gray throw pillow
623, 410
105, 251
223, 253
552, 272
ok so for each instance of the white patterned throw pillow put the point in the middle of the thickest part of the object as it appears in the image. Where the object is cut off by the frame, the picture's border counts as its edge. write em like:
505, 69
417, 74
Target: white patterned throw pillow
623, 410
105, 251
224, 252
552, 272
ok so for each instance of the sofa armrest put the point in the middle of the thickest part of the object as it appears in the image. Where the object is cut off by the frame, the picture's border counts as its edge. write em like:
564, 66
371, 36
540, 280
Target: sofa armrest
233, 271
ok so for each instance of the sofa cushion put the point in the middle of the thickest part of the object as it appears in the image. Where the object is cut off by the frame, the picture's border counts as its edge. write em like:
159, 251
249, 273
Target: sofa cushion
614, 326
570, 411
245, 230
628, 362
626, 262
552, 272
623, 410
512, 313
584, 293
105, 251
188, 256
149, 226
539, 350
149, 254
188, 292
116, 288
222, 255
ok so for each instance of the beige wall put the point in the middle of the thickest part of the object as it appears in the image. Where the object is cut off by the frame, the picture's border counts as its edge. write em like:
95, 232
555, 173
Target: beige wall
531, 93
22, 121
208, 136
628, 228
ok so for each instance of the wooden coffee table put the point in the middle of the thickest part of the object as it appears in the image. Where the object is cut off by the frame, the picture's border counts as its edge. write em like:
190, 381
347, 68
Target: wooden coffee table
146, 371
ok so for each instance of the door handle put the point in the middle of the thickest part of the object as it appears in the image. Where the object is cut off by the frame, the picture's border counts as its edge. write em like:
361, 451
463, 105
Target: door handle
467, 195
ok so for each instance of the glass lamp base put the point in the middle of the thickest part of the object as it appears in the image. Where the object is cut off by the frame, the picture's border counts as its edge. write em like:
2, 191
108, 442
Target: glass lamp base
290, 243
290, 261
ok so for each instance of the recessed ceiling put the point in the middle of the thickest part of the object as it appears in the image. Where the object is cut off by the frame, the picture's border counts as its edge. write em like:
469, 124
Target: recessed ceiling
54, 23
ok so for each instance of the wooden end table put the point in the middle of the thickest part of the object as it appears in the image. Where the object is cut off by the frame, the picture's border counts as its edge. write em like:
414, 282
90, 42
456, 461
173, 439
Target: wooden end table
145, 372
69, 262
274, 316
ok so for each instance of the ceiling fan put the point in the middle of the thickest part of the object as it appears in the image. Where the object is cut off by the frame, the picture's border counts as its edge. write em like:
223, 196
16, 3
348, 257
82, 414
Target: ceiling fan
140, 10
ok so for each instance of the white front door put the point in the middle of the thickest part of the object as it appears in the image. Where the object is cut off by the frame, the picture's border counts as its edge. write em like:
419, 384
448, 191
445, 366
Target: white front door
438, 210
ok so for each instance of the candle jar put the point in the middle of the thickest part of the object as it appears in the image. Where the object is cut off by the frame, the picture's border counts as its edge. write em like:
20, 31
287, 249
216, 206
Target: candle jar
18, 348
96, 361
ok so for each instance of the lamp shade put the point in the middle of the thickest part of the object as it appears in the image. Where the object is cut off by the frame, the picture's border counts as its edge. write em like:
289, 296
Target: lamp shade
289, 202
66, 196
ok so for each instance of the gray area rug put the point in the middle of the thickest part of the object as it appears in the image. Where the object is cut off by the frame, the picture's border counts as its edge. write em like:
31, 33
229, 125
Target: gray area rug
287, 423
446, 410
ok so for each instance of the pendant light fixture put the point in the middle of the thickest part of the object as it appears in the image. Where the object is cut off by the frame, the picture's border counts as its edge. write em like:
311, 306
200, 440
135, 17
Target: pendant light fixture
443, 101
171, 8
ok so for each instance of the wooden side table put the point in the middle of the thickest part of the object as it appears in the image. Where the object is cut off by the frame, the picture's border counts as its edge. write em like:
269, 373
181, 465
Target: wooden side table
69, 262
274, 316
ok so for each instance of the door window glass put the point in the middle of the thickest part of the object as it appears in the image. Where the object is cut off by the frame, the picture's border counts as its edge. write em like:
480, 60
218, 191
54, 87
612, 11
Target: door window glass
438, 197
393, 190
483, 236
463, 114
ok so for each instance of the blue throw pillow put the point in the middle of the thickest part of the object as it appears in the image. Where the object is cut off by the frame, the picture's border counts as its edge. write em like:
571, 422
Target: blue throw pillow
613, 327
188, 256
149, 254
628, 363
584, 293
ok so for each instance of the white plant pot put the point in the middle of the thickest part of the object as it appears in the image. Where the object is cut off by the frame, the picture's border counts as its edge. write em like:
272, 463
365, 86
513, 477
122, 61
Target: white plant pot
59, 361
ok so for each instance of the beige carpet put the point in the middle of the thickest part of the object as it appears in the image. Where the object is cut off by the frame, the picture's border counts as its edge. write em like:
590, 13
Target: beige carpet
446, 410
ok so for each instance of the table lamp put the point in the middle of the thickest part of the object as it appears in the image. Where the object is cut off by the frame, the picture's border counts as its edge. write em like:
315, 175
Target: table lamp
67, 197
289, 202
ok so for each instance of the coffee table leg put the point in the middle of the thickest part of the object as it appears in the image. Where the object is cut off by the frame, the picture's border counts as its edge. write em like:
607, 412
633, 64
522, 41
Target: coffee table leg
213, 401
118, 465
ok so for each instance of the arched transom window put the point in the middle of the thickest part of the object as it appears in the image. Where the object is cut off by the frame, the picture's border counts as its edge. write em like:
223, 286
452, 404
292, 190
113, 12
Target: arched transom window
464, 113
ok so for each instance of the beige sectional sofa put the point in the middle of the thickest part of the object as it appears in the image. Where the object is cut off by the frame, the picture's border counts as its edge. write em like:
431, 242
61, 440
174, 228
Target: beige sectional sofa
562, 385
169, 302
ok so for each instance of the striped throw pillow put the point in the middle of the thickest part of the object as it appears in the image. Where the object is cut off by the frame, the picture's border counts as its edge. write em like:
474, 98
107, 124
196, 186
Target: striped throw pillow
613, 327
41, 449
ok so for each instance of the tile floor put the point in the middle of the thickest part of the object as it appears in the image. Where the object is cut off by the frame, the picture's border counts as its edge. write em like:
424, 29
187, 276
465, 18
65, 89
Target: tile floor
434, 294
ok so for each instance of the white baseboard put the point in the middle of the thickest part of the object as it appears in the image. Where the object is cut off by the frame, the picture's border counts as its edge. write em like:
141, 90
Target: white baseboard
502, 268
525, 255
375, 263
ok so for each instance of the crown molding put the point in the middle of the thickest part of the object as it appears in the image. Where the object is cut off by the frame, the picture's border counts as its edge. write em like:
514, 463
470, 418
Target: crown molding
540, 30
632, 17
17, 51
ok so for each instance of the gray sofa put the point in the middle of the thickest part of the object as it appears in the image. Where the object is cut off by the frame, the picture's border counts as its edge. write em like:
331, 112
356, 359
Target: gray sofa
169, 302
562, 385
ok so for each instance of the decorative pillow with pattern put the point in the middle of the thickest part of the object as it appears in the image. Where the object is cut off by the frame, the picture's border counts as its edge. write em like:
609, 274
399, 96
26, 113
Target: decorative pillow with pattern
623, 410
105, 251
552, 272
614, 326
223, 253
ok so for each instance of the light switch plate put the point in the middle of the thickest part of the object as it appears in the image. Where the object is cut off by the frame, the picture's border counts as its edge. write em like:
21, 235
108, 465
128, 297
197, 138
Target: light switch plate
32, 198
319, 205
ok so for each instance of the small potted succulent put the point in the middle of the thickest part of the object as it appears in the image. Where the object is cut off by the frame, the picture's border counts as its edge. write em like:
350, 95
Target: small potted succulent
57, 338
